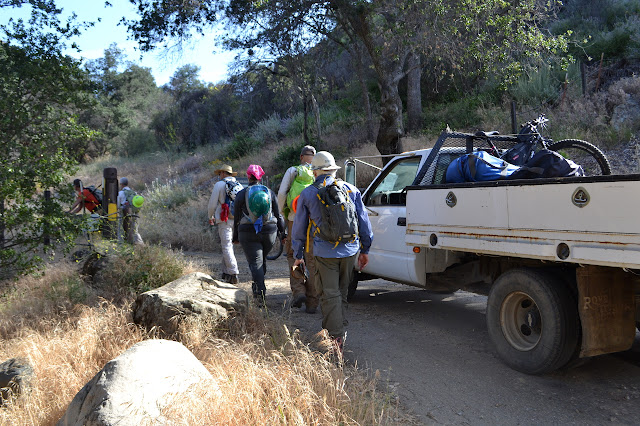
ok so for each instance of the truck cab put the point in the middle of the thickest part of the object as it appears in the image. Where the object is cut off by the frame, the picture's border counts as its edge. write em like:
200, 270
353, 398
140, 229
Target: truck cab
385, 199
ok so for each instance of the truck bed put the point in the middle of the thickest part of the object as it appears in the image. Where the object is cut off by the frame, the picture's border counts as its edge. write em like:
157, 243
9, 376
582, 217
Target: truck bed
586, 220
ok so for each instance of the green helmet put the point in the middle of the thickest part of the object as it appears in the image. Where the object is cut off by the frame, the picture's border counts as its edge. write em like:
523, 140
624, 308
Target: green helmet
137, 201
259, 200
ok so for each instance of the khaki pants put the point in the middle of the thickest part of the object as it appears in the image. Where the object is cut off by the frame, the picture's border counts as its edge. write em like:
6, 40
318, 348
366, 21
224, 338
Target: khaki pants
333, 276
298, 285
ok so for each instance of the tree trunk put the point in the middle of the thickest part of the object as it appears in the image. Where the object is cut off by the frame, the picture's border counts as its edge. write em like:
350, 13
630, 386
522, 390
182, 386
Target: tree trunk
305, 132
365, 93
316, 114
391, 128
414, 95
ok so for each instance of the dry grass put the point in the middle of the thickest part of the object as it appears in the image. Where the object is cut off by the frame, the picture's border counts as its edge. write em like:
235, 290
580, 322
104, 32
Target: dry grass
65, 353
185, 227
265, 374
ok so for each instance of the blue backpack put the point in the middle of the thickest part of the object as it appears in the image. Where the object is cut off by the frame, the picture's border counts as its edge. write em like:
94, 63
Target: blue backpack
478, 167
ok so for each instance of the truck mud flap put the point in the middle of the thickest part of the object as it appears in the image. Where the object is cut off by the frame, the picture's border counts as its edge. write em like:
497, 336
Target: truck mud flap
607, 310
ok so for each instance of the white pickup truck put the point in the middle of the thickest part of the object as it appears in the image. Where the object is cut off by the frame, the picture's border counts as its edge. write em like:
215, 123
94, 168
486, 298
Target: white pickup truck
559, 258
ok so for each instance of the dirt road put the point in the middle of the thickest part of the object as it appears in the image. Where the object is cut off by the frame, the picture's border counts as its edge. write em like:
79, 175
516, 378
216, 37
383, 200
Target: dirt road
434, 353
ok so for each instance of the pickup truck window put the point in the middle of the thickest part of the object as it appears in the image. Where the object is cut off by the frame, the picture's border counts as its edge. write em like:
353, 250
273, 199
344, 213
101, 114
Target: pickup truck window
389, 189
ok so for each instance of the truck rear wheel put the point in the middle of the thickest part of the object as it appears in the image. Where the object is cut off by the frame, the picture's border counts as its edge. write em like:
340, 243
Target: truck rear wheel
532, 319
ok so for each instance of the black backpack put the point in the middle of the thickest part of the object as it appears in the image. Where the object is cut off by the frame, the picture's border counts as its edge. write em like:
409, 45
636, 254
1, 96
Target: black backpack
339, 217
231, 189
547, 164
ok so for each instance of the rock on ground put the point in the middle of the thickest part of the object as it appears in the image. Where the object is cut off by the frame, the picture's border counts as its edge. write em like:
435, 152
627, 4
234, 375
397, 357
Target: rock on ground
15, 375
193, 294
136, 386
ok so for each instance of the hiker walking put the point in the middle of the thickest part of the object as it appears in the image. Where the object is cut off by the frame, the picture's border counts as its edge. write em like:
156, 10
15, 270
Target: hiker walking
221, 214
331, 216
257, 222
295, 179
85, 199
129, 212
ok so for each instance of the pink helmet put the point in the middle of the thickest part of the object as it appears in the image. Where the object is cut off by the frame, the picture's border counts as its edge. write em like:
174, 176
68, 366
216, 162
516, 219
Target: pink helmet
255, 171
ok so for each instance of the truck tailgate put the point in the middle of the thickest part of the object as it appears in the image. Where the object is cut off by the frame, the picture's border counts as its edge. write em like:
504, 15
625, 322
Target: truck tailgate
590, 220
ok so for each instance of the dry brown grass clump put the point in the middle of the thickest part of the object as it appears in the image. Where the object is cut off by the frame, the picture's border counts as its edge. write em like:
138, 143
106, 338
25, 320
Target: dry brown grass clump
65, 353
265, 375
68, 330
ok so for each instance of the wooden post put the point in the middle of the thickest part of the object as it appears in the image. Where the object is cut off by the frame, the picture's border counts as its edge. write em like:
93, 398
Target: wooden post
1, 223
46, 239
564, 89
599, 72
583, 76
110, 203
514, 129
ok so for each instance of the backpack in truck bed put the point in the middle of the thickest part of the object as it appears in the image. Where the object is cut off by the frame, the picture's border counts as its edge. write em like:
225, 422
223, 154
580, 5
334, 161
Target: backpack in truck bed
478, 167
547, 164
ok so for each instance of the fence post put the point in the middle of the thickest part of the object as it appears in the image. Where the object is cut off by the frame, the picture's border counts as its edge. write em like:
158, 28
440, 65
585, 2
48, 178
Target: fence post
514, 129
1, 223
109, 202
599, 71
46, 239
583, 77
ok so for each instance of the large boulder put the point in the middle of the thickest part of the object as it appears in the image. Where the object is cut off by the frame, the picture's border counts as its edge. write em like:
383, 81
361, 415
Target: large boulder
15, 374
135, 387
193, 294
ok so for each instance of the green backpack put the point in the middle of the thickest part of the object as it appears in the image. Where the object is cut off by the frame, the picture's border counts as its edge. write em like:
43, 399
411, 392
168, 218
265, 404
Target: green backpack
302, 180
128, 204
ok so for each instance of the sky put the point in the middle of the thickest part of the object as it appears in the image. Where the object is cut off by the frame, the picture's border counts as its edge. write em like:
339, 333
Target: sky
93, 41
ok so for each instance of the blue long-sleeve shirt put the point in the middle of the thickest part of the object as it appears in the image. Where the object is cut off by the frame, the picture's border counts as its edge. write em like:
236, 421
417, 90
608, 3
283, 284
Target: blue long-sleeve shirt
309, 206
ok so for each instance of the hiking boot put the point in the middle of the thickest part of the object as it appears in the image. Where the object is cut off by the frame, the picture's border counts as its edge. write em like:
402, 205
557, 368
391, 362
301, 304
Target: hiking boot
310, 310
233, 279
225, 277
299, 300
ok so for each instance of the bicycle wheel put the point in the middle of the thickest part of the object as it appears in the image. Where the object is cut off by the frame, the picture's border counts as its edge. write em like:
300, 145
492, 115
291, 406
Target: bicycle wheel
277, 248
592, 160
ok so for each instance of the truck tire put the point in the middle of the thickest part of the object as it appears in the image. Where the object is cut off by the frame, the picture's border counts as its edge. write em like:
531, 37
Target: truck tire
532, 319
353, 285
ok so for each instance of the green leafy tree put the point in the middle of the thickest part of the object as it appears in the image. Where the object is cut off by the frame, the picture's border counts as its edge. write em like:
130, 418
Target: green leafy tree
465, 37
41, 89
127, 98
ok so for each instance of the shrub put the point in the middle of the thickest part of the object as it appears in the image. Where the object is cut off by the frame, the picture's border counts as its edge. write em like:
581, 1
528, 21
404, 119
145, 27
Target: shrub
139, 141
294, 125
268, 130
288, 156
184, 228
141, 268
241, 145
168, 195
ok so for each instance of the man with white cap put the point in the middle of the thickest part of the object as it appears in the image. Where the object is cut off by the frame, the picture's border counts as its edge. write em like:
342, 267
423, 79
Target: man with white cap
129, 217
221, 214
294, 181
334, 256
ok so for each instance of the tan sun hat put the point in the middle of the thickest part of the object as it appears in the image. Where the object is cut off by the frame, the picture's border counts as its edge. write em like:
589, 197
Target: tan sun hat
226, 168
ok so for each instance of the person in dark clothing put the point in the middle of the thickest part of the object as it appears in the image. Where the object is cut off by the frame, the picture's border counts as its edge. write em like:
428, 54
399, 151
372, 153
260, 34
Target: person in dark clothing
256, 226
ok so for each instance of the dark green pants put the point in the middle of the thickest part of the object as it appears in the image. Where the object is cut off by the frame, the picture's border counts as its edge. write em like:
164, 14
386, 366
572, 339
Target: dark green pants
333, 276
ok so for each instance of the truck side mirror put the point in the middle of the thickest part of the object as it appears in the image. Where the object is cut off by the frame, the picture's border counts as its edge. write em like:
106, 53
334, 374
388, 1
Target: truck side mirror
350, 172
